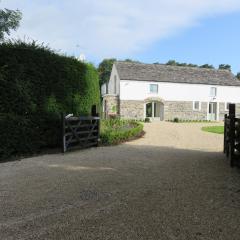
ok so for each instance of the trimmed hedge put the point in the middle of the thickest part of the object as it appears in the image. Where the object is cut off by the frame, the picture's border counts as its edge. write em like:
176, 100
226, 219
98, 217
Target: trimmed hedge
115, 131
36, 85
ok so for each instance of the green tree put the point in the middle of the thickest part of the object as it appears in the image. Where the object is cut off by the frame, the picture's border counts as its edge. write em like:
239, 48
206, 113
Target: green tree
192, 65
104, 70
172, 63
9, 20
130, 60
207, 66
238, 75
225, 67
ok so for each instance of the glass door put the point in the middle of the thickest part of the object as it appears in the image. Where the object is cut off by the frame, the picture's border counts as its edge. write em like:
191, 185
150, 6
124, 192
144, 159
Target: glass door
153, 110
149, 110
212, 111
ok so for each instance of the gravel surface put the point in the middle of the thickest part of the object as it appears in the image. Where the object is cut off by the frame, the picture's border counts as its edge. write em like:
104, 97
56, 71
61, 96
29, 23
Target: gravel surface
174, 183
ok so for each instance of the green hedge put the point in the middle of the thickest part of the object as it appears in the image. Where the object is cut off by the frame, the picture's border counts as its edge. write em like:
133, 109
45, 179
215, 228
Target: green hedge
36, 85
115, 131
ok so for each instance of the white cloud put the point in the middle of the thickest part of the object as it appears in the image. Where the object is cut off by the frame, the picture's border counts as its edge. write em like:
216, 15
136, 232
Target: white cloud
111, 28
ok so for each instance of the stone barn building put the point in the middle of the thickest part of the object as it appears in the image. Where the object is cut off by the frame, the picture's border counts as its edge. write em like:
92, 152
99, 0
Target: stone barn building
164, 92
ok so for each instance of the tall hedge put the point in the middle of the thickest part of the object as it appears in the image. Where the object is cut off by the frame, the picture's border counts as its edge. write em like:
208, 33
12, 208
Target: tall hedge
36, 85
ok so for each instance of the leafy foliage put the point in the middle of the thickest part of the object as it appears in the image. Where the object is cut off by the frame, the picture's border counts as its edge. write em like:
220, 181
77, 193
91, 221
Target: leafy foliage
147, 120
174, 63
225, 67
115, 131
238, 75
36, 85
207, 66
104, 70
9, 20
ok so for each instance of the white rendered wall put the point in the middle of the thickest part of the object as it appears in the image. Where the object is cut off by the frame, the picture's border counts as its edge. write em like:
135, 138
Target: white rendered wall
111, 83
139, 90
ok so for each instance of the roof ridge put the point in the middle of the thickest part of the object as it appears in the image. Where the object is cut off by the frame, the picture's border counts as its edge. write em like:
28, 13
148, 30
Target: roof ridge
176, 74
175, 66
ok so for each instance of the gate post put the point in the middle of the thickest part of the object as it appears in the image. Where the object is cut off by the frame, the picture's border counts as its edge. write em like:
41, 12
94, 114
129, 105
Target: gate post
225, 132
98, 128
232, 114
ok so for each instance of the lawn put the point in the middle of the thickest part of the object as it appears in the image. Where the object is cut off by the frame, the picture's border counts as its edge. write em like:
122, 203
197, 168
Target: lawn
214, 129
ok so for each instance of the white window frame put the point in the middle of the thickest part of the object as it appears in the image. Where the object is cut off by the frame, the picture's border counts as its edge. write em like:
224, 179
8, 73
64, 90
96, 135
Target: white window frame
227, 109
211, 92
150, 88
199, 108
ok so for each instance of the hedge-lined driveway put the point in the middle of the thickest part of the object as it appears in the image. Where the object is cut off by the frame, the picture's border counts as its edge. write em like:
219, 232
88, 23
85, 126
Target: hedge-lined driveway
174, 183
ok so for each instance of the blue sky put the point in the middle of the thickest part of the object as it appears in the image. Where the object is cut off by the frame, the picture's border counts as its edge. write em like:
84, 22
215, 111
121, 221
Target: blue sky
214, 41
199, 31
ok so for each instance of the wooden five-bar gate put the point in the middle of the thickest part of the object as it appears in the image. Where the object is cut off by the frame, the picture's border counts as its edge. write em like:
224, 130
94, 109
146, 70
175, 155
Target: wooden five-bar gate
232, 136
79, 132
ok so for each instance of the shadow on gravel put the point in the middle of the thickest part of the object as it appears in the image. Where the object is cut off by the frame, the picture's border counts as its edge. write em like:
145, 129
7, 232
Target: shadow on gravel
121, 192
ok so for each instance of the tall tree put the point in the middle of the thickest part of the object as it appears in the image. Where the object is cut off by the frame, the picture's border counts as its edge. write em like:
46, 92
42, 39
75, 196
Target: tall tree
238, 75
172, 63
175, 63
9, 20
130, 60
104, 70
207, 66
225, 67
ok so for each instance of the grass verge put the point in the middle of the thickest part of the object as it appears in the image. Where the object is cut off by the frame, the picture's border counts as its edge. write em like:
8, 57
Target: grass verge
214, 129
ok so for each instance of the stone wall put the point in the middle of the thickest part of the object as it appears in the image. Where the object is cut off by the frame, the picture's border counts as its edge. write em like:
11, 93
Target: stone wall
222, 111
184, 110
172, 109
132, 109
112, 105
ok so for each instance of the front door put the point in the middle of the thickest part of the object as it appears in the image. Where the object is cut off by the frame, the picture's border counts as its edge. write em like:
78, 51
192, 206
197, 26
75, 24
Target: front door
212, 111
155, 111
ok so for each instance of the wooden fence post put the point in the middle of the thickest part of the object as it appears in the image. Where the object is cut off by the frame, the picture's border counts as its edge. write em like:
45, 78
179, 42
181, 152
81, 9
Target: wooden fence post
98, 134
225, 133
232, 115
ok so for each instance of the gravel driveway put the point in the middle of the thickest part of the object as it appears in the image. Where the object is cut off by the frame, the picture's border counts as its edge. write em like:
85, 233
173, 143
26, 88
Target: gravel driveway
174, 183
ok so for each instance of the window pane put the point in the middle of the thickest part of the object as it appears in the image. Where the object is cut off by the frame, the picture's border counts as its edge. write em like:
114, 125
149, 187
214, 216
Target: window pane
149, 110
196, 105
213, 92
153, 88
210, 108
227, 106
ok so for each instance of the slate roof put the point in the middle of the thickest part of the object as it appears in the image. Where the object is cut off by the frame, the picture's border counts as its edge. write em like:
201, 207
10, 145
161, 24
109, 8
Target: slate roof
175, 74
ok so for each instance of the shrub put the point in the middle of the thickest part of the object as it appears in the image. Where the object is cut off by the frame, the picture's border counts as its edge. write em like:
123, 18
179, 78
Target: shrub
36, 85
147, 120
176, 120
115, 131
